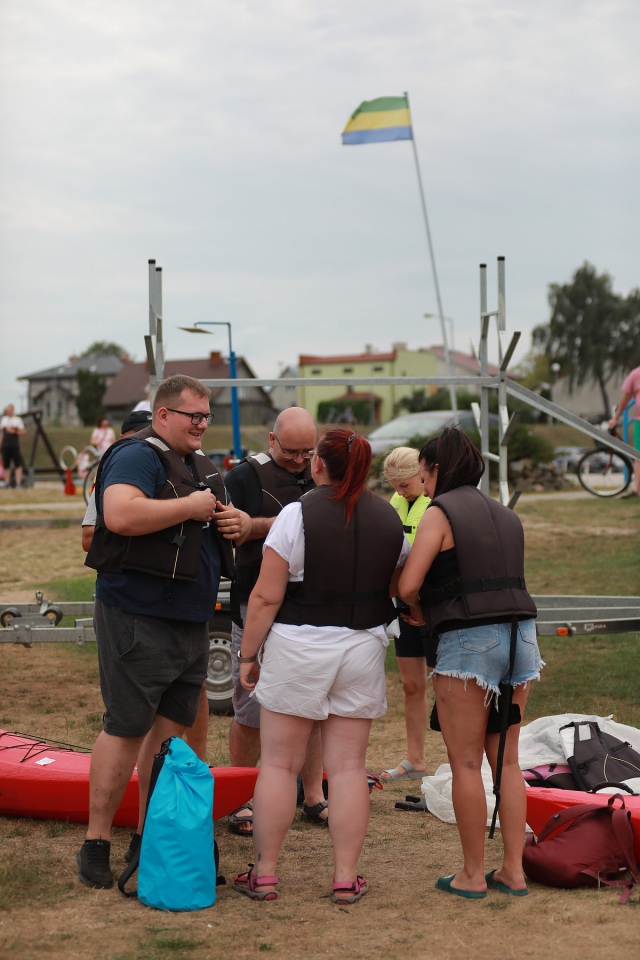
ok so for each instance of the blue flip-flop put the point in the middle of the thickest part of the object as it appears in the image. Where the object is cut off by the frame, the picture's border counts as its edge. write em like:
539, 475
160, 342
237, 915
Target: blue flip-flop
444, 883
502, 887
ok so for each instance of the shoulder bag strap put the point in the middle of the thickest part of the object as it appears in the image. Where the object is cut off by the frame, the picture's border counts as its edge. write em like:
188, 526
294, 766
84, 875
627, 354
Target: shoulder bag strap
566, 817
130, 869
505, 724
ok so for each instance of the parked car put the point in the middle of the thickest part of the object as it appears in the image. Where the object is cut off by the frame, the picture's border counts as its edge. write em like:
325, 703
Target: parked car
567, 458
397, 432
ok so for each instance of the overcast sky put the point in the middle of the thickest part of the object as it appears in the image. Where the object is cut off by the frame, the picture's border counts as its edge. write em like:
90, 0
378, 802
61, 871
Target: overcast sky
205, 134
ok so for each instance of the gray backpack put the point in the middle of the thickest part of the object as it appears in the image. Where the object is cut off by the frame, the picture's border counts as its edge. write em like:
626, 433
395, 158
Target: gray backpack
601, 760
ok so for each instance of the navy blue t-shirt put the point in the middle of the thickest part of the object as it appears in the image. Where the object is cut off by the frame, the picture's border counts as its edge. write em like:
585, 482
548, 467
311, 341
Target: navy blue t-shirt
135, 463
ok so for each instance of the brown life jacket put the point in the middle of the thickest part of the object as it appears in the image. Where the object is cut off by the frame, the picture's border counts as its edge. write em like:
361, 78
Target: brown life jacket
489, 543
279, 488
347, 569
175, 551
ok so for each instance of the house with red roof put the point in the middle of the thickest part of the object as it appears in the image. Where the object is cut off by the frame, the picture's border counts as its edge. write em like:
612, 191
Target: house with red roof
130, 386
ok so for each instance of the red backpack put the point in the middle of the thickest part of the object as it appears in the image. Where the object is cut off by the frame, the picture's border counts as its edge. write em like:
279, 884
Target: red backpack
586, 845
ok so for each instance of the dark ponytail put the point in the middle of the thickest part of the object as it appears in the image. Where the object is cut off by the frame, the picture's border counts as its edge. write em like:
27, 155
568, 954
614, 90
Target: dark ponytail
459, 460
347, 458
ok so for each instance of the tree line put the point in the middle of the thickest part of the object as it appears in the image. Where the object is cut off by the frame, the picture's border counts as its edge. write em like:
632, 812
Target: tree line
593, 332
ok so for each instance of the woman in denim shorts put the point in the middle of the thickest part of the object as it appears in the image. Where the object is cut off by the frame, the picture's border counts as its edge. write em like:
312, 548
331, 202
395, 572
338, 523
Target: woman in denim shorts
465, 579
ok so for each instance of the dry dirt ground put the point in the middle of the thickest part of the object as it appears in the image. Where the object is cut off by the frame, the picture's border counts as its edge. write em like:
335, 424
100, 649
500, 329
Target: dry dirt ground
44, 911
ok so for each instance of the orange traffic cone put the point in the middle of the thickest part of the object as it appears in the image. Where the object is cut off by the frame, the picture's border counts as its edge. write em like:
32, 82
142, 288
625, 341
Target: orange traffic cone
69, 487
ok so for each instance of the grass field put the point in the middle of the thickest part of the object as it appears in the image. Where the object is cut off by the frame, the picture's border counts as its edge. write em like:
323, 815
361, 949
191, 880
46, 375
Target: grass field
573, 547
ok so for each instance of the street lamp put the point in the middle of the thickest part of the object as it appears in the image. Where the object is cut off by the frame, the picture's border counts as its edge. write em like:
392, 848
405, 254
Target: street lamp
235, 408
434, 316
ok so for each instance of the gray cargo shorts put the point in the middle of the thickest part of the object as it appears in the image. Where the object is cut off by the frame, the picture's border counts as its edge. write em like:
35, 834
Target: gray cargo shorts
148, 666
246, 710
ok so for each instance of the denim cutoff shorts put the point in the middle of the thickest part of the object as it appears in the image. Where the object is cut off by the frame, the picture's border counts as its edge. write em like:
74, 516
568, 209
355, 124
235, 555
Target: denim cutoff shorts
481, 653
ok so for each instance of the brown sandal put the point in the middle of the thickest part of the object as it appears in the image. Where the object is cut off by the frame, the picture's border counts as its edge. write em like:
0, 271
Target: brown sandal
236, 821
313, 813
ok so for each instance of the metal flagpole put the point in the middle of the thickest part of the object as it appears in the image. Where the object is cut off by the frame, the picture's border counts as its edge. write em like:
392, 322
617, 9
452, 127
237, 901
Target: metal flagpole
447, 356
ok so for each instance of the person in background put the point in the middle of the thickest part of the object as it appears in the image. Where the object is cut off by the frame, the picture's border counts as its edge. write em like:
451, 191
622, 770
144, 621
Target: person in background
102, 436
465, 579
259, 487
402, 470
12, 428
322, 601
630, 391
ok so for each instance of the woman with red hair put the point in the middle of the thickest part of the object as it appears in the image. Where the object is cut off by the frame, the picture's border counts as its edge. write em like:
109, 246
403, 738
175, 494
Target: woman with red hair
318, 616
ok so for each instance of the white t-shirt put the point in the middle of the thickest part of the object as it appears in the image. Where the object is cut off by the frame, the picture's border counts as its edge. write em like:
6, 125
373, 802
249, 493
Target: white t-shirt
91, 513
286, 537
11, 423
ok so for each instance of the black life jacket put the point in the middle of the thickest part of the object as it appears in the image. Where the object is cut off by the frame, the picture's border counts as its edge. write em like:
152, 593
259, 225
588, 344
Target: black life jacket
279, 488
175, 551
489, 543
347, 570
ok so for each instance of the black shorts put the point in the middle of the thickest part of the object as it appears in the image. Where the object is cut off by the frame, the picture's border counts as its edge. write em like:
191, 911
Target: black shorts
411, 642
148, 666
9, 455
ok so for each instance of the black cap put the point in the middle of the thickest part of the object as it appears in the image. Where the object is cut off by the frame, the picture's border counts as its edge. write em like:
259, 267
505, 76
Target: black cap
136, 420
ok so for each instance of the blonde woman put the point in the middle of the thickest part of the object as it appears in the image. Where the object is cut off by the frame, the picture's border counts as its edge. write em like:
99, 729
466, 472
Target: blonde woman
401, 469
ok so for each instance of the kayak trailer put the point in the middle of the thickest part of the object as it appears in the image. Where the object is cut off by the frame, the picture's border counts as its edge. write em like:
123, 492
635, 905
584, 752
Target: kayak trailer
570, 616
29, 623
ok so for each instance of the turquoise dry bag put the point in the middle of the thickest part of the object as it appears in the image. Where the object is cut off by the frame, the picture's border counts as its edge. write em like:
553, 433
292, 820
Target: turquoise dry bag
177, 866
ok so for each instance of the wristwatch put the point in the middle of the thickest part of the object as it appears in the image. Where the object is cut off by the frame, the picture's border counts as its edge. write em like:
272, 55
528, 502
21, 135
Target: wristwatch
247, 659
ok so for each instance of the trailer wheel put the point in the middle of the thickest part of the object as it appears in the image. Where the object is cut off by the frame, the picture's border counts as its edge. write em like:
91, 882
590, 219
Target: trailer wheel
54, 615
219, 678
8, 616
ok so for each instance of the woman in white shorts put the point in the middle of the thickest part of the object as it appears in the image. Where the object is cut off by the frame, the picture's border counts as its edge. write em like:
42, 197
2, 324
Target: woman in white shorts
322, 602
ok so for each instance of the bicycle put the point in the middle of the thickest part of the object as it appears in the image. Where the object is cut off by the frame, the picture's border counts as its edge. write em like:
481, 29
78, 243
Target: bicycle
605, 472
90, 478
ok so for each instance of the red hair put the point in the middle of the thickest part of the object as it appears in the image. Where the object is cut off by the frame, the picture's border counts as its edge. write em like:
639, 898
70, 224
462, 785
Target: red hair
347, 458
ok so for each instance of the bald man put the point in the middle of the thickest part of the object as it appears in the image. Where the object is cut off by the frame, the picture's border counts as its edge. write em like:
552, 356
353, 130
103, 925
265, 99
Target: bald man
259, 488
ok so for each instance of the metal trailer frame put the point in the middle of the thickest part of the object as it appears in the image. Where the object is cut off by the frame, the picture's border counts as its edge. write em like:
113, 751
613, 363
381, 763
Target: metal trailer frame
557, 616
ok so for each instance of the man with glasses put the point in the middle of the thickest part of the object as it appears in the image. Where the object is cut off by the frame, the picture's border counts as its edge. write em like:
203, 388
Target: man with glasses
260, 487
159, 559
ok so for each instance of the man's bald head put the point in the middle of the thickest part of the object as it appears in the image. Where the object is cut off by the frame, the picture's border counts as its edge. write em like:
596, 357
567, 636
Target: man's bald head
294, 430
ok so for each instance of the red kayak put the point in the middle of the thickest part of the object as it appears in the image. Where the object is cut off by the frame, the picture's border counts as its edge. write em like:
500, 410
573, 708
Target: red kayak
543, 802
50, 781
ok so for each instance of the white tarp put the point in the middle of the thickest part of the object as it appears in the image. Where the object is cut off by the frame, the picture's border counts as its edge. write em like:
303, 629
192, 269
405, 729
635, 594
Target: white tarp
540, 742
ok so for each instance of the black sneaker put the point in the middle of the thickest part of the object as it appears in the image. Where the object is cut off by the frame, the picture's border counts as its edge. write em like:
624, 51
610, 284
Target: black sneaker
133, 847
93, 864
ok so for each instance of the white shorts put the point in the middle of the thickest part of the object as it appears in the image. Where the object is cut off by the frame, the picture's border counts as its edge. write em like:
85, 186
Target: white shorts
346, 678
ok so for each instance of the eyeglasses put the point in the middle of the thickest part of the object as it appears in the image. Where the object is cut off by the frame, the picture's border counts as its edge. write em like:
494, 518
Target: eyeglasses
196, 418
294, 454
